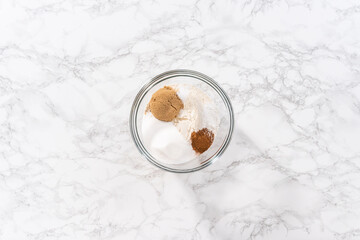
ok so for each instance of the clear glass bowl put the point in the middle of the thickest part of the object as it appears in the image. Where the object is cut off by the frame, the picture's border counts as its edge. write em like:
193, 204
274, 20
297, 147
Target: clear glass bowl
208, 86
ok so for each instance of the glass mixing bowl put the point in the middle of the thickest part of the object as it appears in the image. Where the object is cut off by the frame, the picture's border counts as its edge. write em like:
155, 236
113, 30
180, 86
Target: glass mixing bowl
209, 87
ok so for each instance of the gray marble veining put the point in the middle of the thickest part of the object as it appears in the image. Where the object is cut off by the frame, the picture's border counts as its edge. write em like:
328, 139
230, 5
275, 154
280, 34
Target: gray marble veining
69, 71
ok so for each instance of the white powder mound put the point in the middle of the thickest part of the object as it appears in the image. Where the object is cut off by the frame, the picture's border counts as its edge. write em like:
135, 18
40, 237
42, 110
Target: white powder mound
199, 111
164, 141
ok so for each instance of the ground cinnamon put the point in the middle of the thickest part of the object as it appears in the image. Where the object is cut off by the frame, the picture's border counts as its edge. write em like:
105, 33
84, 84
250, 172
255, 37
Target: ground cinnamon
202, 140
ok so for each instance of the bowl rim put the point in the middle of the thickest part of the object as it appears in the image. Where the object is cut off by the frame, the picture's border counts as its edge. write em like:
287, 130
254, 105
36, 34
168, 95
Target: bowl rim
160, 78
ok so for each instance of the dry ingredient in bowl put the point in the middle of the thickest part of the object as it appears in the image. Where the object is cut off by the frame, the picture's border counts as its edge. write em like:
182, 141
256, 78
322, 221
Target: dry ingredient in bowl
180, 123
165, 104
164, 141
202, 140
199, 111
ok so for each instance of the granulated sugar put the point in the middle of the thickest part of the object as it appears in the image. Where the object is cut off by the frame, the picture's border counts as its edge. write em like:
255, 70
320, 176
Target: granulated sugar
164, 141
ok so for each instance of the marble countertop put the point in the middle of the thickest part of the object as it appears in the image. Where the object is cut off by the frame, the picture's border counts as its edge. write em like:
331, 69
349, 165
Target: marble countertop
69, 71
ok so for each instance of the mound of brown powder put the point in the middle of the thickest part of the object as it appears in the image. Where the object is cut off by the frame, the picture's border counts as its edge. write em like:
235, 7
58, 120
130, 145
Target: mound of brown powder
202, 140
165, 104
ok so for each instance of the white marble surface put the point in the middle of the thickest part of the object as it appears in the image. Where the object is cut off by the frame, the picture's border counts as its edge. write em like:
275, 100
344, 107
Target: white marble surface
69, 71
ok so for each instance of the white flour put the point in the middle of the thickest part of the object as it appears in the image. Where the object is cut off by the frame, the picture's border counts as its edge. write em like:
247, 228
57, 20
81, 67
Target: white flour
199, 111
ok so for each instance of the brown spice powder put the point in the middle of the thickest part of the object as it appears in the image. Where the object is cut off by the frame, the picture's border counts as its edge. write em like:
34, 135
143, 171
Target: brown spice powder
202, 140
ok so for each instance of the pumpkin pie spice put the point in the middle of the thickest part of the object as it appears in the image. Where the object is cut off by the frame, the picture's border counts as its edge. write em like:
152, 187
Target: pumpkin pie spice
202, 140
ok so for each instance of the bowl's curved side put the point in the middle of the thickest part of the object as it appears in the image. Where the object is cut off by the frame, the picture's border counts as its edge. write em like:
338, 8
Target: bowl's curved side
160, 78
